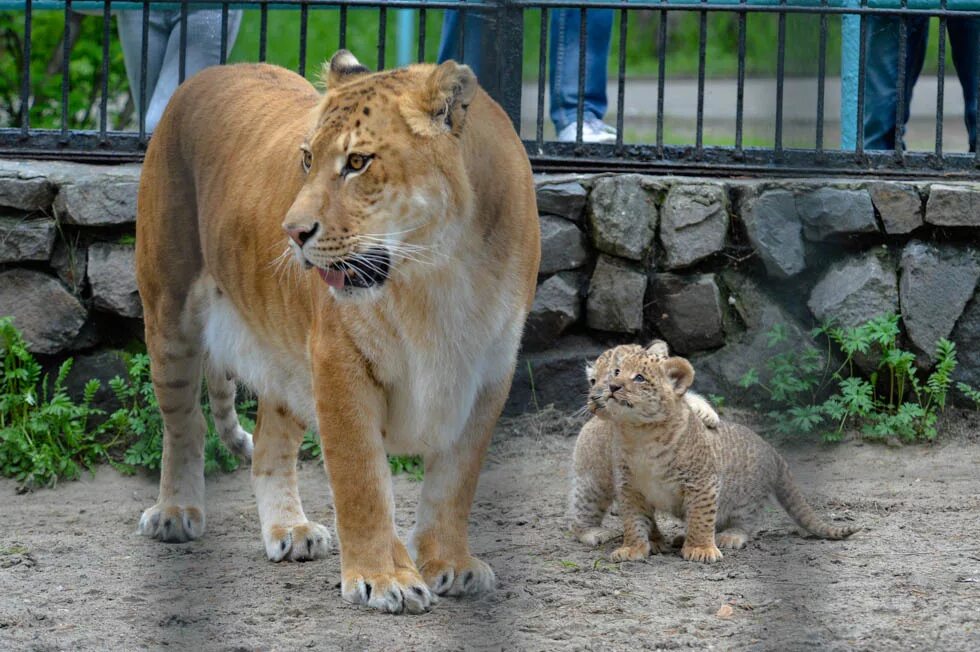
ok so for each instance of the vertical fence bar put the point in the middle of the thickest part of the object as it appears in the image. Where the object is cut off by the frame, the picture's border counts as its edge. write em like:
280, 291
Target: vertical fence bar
382, 35
508, 48
104, 102
343, 27
263, 30
183, 42
542, 76
304, 18
461, 15
940, 85
421, 53
580, 105
780, 78
821, 78
740, 97
702, 46
976, 128
661, 73
224, 34
65, 56
621, 81
862, 81
144, 56
25, 87
901, 102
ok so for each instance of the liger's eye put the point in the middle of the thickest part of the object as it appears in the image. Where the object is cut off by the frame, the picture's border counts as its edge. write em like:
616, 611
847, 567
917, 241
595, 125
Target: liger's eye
307, 160
638, 378
356, 163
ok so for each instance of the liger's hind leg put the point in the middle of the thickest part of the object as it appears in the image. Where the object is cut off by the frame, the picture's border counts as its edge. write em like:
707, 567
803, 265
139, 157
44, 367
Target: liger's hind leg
176, 359
221, 393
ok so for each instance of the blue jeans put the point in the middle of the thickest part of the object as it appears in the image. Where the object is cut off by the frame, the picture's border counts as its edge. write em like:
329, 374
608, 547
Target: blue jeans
563, 58
881, 77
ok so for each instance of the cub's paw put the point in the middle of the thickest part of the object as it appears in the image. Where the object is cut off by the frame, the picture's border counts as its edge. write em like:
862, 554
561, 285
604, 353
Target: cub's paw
468, 577
596, 536
705, 554
631, 553
172, 523
239, 442
735, 539
403, 591
301, 542
659, 545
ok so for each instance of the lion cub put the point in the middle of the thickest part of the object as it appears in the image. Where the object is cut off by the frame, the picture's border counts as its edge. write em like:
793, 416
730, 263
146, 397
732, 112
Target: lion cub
593, 464
714, 479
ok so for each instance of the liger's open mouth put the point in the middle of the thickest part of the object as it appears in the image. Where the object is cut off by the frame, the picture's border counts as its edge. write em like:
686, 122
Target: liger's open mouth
362, 270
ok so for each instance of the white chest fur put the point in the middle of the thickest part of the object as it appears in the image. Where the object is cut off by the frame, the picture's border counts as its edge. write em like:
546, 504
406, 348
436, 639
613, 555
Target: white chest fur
656, 484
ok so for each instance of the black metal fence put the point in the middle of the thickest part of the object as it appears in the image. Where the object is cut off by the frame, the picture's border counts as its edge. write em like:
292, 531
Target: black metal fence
809, 110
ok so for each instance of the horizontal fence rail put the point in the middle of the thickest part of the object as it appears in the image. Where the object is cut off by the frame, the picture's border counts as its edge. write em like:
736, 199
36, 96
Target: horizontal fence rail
691, 87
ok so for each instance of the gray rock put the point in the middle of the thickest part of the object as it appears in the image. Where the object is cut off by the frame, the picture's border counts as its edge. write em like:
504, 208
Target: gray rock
828, 212
553, 377
24, 185
564, 199
102, 366
966, 335
25, 240
936, 284
623, 216
70, 263
855, 290
97, 199
898, 204
45, 312
950, 205
563, 245
773, 226
615, 301
112, 273
694, 223
557, 305
687, 310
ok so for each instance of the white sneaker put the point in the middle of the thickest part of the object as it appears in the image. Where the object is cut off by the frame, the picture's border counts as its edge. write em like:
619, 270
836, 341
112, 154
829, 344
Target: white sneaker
593, 131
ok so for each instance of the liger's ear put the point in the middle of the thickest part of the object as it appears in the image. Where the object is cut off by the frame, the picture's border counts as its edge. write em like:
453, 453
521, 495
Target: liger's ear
442, 101
342, 68
680, 373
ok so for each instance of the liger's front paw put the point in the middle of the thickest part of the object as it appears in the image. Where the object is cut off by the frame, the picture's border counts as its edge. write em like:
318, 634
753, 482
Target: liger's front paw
300, 542
402, 591
172, 523
631, 553
467, 577
706, 554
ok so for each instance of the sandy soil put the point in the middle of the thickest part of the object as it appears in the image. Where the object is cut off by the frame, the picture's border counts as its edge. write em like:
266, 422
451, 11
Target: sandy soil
74, 575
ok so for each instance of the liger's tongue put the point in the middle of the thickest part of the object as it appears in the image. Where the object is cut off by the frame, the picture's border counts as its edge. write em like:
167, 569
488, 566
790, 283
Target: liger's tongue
333, 277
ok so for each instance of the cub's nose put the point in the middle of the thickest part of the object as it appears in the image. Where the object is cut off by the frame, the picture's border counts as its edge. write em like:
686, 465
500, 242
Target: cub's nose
614, 388
300, 233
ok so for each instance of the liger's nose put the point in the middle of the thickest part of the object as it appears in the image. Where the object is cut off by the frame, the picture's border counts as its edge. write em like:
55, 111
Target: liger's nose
300, 233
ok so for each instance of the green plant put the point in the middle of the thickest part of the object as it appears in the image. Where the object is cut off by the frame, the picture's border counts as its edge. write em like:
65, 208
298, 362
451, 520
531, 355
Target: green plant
44, 434
893, 401
970, 393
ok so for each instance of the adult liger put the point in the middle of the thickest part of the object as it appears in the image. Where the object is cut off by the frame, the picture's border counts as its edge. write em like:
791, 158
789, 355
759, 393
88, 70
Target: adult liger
364, 260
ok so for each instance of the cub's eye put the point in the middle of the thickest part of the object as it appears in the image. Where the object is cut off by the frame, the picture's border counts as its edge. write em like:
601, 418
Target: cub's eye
356, 163
616, 373
307, 160
592, 382
638, 378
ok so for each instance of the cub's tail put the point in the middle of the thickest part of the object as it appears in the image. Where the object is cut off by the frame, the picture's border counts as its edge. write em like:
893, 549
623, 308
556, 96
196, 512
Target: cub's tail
792, 500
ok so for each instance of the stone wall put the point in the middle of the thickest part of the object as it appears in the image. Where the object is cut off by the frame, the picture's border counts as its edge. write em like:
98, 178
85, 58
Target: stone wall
709, 265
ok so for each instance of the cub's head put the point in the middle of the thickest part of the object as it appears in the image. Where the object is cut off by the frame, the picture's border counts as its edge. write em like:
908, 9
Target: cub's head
385, 191
598, 373
646, 388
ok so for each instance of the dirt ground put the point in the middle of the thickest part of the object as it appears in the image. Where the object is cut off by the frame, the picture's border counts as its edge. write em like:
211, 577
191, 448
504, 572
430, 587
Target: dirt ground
75, 576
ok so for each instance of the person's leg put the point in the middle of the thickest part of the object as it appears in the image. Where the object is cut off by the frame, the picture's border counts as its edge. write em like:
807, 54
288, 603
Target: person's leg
964, 40
203, 50
130, 26
881, 75
564, 66
449, 41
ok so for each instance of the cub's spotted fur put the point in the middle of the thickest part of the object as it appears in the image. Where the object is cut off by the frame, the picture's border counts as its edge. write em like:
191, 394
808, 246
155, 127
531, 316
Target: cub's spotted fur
714, 479
593, 483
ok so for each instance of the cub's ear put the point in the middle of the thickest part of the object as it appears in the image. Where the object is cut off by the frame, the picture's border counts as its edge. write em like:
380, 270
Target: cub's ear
680, 373
342, 68
589, 371
441, 104
659, 349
